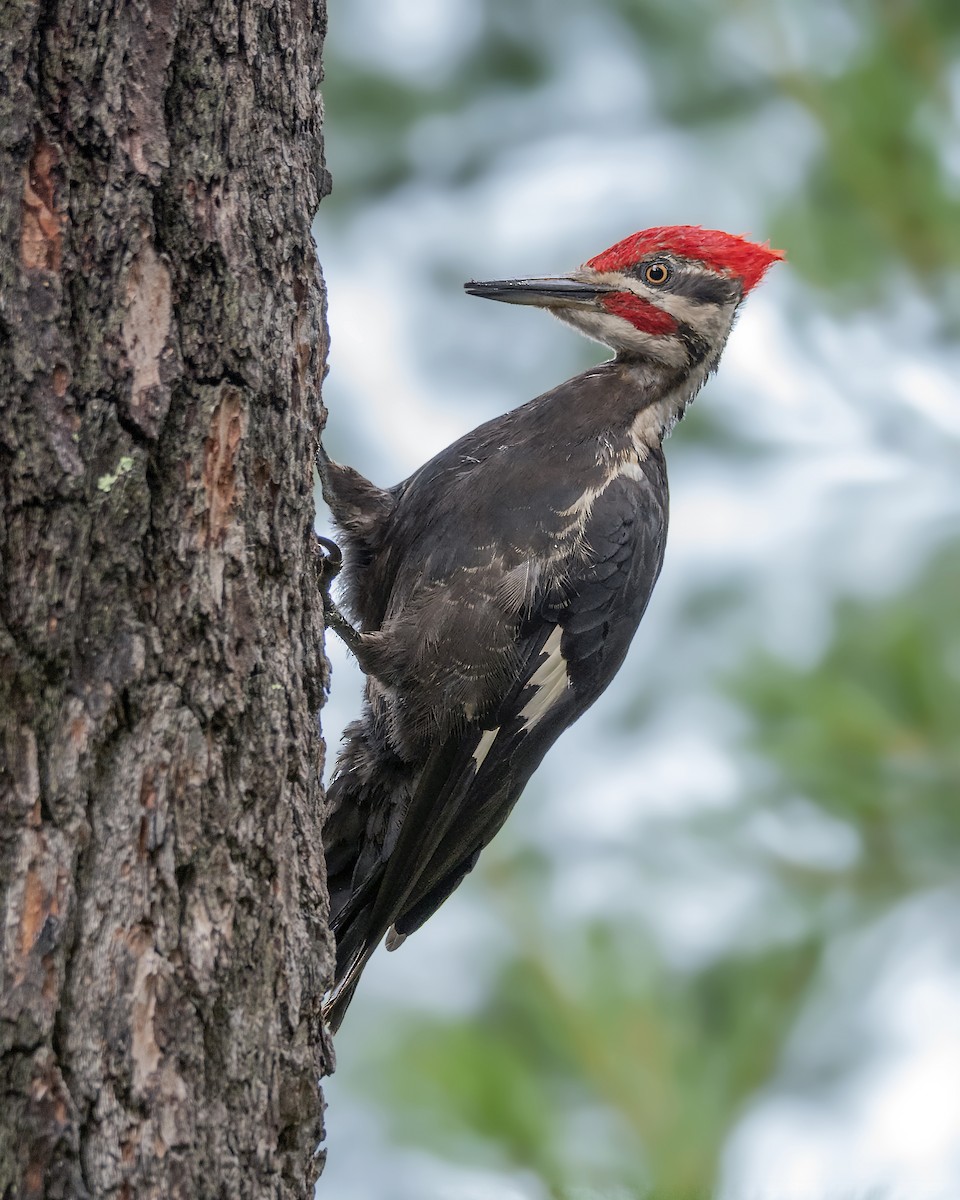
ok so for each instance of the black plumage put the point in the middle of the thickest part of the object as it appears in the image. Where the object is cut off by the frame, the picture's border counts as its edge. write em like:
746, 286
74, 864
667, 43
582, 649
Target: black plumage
461, 574
497, 590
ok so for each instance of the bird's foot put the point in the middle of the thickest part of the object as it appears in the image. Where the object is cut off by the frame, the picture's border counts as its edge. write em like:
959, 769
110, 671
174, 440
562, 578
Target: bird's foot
331, 563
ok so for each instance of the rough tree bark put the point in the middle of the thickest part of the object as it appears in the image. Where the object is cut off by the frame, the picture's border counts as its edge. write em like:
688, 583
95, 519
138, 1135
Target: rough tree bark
164, 947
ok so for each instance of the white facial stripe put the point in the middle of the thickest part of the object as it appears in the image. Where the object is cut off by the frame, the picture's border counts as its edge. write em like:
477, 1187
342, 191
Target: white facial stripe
705, 316
550, 681
655, 421
706, 319
487, 739
614, 331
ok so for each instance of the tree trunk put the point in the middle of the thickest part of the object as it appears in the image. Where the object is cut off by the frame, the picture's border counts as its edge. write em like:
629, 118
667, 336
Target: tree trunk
164, 944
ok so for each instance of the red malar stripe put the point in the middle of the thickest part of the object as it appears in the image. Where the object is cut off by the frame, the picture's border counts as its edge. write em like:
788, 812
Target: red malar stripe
640, 313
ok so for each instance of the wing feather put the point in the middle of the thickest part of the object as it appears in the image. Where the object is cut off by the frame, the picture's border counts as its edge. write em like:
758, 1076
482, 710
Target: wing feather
572, 653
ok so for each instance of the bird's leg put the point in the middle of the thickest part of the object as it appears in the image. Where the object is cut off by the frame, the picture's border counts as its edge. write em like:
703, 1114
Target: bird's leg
331, 562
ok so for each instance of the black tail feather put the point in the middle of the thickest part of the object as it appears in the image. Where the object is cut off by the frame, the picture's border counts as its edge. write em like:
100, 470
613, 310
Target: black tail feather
372, 908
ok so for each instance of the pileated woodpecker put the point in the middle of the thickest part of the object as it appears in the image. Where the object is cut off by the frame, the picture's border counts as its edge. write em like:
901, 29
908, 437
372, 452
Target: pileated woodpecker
497, 589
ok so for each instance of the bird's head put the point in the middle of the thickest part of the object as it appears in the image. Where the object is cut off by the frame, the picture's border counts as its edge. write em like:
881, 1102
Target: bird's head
667, 294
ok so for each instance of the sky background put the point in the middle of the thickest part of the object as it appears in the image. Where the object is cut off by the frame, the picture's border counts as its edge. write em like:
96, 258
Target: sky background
716, 950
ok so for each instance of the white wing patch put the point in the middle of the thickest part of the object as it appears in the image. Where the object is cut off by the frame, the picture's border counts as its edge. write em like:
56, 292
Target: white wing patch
487, 739
549, 680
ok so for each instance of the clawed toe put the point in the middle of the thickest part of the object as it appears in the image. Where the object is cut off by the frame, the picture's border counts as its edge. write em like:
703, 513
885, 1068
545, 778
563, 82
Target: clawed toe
331, 561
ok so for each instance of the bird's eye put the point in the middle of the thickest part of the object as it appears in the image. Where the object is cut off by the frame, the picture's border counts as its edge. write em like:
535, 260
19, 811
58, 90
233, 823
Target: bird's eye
657, 273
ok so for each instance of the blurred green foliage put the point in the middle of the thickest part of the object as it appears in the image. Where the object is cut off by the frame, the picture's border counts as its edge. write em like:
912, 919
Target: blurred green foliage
880, 182
594, 1060
643, 1066
870, 735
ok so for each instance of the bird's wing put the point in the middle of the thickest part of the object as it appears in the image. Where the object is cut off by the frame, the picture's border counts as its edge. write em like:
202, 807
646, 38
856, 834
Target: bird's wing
569, 650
